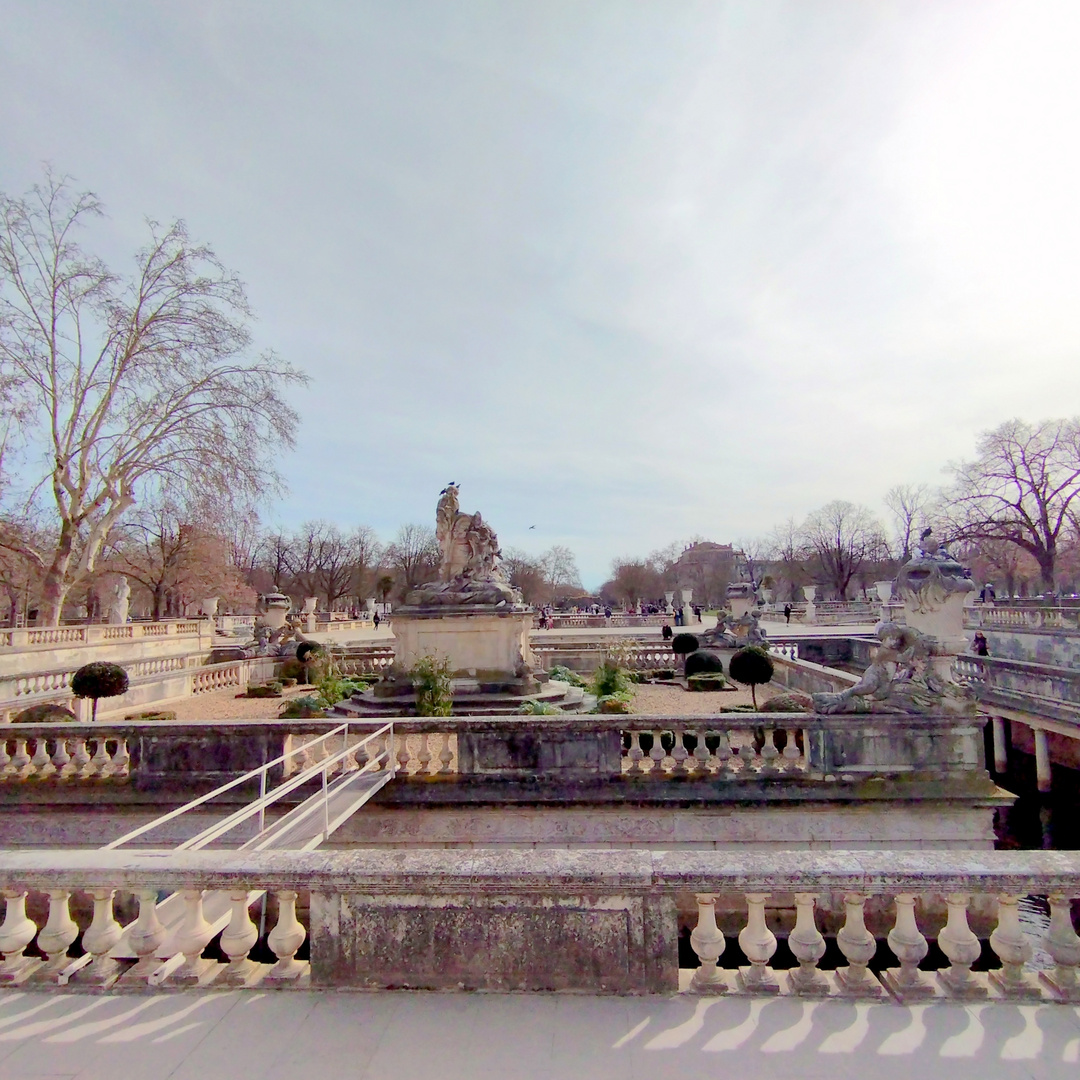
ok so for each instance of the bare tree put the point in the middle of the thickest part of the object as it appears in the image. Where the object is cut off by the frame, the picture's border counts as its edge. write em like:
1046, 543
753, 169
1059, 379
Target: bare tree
1022, 487
633, 580
414, 555
841, 537
908, 505
560, 570
526, 574
368, 553
753, 551
125, 382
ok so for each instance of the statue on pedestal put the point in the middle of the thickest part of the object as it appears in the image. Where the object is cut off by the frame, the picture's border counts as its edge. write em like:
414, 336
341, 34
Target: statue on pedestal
118, 607
470, 571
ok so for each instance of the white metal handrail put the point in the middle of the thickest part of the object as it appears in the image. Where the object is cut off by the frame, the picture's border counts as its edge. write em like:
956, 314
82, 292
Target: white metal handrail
261, 771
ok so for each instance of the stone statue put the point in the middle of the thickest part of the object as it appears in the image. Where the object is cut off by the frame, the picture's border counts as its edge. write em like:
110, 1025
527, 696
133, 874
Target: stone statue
929, 579
734, 632
469, 560
118, 607
899, 679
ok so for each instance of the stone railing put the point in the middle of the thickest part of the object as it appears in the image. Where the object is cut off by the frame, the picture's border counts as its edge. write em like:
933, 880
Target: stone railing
1038, 688
96, 633
152, 681
581, 620
803, 675
586, 656
1039, 617
545, 919
740, 748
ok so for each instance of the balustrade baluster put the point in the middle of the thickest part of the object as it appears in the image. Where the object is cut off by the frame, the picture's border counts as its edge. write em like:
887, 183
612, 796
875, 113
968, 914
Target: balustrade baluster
769, 754
910, 947
101, 936
708, 943
100, 762
858, 946
5, 757
194, 935
723, 755
237, 940
403, 757
61, 759
962, 948
701, 753
20, 760
80, 758
747, 754
656, 753
16, 932
678, 753
145, 937
1063, 945
758, 944
41, 762
635, 754
1013, 951
121, 764
286, 937
56, 936
446, 755
808, 947
423, 755
791, 753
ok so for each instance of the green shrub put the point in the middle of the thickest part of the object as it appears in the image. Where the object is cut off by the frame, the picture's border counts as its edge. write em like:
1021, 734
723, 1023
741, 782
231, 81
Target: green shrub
286, 681
752, 667
562, 673
46, 714
270, 689
793, 701
665, 673
706, 681
306, 708
701, 662
98, 680
538, 708
609, 679
431, 679
613, 703
162, 715
292, 669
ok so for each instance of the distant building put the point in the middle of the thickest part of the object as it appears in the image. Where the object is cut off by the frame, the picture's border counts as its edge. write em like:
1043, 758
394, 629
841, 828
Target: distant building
707, 568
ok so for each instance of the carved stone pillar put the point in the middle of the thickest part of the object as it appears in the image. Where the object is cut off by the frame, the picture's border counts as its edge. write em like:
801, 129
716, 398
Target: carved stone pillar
758, 942
859, 946
708, 943
910, 947
1063, 944
961, 946
808, 947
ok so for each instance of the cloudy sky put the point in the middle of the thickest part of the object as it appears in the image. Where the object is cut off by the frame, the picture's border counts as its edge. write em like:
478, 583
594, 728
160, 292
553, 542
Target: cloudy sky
627, 271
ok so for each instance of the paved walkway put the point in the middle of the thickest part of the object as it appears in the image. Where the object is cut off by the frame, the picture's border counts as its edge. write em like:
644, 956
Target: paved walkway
283, 1034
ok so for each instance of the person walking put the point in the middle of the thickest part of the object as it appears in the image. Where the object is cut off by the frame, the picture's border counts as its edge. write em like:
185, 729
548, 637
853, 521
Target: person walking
979, 646
665, 631
787, 613
376, 620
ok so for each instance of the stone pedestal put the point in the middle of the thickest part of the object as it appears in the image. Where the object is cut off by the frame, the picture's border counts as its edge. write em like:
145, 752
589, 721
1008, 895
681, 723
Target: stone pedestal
481, 641
810, 591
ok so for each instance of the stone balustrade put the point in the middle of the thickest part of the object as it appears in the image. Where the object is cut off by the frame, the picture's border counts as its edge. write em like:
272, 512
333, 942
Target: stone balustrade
1041, 688
97, 633
730, 748
152, 681
548, 919
1033, 617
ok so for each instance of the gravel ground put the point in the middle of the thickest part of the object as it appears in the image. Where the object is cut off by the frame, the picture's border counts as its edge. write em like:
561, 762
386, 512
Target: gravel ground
655, 699
225, 705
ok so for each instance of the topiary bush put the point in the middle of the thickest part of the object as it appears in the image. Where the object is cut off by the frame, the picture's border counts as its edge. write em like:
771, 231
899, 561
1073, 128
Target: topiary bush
706, 681
161, 715
702, 661
684, 644
98, 680
307, 651
753, 667
45, 714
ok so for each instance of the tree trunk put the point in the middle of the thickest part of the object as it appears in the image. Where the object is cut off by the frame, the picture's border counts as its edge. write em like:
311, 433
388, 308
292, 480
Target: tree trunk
54, 588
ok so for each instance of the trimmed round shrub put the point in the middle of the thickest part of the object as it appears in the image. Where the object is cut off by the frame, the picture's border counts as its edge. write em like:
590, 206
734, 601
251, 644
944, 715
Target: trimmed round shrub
44, 714
684, 644
701, 662
752, 667
98, 680
706, 681
307, 650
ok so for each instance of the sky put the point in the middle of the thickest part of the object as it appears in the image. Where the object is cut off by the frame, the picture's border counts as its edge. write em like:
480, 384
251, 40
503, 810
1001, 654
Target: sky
626, 271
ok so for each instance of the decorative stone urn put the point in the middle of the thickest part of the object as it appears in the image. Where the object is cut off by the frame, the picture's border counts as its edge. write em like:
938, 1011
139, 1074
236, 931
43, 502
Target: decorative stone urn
810, 591
209, 606
934, 589
741, 598
275, 610
686, 599
668, 600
